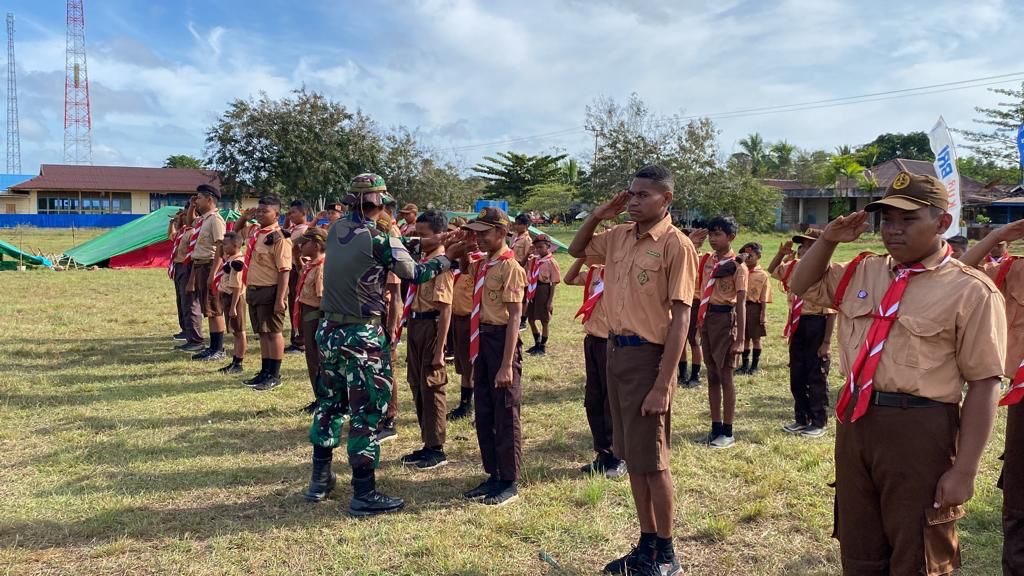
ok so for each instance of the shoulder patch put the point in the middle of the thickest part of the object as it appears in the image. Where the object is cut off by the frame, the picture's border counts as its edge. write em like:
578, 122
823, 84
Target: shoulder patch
979, 275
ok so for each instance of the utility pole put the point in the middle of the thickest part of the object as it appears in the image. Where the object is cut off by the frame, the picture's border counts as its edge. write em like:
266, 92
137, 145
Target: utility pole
13, 134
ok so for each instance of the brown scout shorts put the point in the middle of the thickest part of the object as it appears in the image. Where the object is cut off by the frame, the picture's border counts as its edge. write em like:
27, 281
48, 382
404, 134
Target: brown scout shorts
208, 301
265, 320
717, 337
753, 327
539, 308
692, 334
460, 337
236, 323
642, 441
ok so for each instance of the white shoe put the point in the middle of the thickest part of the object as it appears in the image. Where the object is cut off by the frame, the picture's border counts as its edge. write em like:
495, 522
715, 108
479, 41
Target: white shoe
813, 432
723, 441
794, 428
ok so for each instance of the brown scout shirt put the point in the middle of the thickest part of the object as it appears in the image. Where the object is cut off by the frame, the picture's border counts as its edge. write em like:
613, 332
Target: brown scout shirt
550, 273
951, 325
313, 289
726, 288
809, 308
521, 245
439, 290
181, 250
232, 280
643, 276
268, 260
462, 294
211, 232
505, 283
1013, 292
759, 289
597, 324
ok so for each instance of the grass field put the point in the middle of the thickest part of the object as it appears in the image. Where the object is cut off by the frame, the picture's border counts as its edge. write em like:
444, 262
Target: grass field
119, 456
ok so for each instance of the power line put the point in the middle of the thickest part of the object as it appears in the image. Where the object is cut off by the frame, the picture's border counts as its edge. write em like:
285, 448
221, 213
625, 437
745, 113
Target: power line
796, 107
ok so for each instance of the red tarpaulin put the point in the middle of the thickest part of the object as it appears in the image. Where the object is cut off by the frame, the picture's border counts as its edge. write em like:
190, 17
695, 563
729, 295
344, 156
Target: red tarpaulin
153, 256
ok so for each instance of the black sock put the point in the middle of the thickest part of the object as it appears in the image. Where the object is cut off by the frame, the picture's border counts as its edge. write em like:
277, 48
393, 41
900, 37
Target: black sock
236, 360
322, 452
664, 547
274, 367
543, 340
263, 366
684, 367
695, 372
746, 357
467, 396
716, 428
536, 338
648, 539
362, 473
727, 429
756, 359
216, 341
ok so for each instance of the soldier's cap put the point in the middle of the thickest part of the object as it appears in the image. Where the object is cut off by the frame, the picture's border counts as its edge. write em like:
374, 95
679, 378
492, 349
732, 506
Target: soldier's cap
209, 190
366, 188
542, 238
335, 206
409, 209
912, 191
388, 199
487, 219
809, 235
318, 235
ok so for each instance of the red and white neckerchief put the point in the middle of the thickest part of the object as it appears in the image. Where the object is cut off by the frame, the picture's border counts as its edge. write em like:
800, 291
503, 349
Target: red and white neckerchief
862, 374
225, 267
535, 266
709, 287
1004, 269
591, 296
194, 238
174, 251
796, 305
306, 269
990, 260
478, 292
410, 295
254, 236
473, 258
1016, 392
298, 229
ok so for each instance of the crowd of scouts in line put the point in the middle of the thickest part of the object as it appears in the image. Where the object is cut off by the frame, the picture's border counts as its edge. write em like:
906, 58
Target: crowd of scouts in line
909, 439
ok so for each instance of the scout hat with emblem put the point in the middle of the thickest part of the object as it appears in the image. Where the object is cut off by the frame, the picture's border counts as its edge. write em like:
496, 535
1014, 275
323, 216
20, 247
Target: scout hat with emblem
335, 206
409, 209
318, 235
366, 188
809, 235
542, 238
912, 191
488, 218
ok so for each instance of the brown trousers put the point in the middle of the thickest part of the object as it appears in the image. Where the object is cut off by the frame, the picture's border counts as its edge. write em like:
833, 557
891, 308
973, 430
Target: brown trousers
887, 466
497, 409
595, 395
293, 287
190, 314
309, 341
427, 384
808, 373
460, 346
1012, 483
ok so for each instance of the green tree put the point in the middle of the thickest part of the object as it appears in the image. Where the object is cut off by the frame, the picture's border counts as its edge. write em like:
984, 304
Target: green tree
997, 141
911, 146
986, 171
510, 175
813, 168
183, 161
779, 163
745, 198
755, 154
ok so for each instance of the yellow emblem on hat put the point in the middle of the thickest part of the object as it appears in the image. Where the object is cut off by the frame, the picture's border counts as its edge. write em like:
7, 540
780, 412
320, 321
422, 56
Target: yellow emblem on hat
483, 213
902, 181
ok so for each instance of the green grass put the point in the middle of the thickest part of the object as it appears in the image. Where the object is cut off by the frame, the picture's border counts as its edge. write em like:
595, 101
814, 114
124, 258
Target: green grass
119, 456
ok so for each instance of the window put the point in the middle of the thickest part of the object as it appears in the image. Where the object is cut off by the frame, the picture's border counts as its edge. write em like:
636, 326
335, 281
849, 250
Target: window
157, 201
84, 203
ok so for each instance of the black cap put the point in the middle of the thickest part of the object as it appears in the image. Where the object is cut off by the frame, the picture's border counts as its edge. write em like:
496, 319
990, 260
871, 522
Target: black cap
209, 190
488, 218
335, 206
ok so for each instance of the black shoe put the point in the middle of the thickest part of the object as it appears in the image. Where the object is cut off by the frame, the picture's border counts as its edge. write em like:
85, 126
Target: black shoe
753, 371
503, 493
203, 355
629, 563
483, 490
214, 356
387, 432
180, 336
615, 469
255, 379
293, 349
741, 371
692, 384
432, 459
367, 501
233, 368
449, 359
538, 351
321, 482
191, 347
269, 382
415, 456
595, 467
669, 566
460, 412
532, 349
522, 325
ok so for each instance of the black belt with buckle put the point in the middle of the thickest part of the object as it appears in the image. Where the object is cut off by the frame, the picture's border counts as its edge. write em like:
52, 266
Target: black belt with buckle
627, 341
345, 319
900, 400
720, 308
428, 315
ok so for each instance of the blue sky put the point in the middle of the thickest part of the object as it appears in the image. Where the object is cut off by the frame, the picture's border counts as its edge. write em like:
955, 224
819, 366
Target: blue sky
467, 72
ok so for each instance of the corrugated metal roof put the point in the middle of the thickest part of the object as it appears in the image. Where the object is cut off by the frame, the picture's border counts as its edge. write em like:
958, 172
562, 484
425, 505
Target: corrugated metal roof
118, 178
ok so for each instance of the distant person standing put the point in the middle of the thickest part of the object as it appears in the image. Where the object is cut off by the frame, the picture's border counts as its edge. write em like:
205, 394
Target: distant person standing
295, 226
208, 233
522, 248
190, 314
408, 214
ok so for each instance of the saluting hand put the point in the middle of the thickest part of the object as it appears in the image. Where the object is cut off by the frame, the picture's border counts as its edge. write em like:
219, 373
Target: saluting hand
1011, 232
698, 236
846, 228
786, 248
613, 207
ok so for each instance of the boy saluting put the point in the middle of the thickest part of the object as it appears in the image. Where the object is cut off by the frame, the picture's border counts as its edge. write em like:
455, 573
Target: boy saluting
650, 269
915, 324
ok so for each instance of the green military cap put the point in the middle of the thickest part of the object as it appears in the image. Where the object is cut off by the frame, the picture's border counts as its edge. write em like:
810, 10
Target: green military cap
912, 191
366, 188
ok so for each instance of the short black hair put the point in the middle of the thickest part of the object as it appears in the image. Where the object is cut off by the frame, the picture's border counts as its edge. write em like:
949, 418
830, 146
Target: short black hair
958, 239
437, 221
271, 200
657, 174
232, 236
726, 224
523, 219
754, 247
300, 204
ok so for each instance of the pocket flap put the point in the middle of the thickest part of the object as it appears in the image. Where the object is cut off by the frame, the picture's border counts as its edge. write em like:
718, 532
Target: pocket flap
855, 307
647, 262
920, 326
943, 515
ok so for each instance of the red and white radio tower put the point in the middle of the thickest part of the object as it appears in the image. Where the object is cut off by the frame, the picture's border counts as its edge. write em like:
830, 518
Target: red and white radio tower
77, 119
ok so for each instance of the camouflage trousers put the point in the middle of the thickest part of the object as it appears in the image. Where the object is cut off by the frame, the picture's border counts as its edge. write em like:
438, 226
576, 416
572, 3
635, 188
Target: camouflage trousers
355, 383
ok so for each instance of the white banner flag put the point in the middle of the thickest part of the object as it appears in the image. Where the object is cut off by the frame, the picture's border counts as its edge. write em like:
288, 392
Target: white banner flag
945, 168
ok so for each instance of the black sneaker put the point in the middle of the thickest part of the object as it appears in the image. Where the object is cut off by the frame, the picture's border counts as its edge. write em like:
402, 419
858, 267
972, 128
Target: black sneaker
232, 368
203, 355
214, 356
255, 379
647, 565
269, 382
741, 371
628, 563
503, 493
293, 349
522, 325
539, 351
180, 336
449, 359
460, 412
595, 467
481, 491
432, 459
753, 372
374, 503
615, 470
692, 384
415, 456
387, 433
191, 347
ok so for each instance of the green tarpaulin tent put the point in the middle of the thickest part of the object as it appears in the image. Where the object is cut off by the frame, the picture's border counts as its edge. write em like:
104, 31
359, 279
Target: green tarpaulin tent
533, 230
11, 257
136, 235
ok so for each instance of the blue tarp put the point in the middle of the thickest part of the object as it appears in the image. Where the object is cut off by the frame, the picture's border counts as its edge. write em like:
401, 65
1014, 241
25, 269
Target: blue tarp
67, 220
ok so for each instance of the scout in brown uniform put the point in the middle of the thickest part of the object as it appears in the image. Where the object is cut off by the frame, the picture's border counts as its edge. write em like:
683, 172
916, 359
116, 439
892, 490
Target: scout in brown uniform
649, 283
809, 330
330, 214
522, 246
1008, 276
409, 214
542, 276
915, 324
295, 226
462, 309
959, 245
232, 296
759, 296
595, 354
206, 260
268, 260
190, 311
427, 321
722, 326
691, 379
499, 286
309, 291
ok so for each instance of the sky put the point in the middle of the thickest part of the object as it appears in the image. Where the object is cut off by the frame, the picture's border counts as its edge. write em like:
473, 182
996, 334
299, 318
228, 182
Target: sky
471, 75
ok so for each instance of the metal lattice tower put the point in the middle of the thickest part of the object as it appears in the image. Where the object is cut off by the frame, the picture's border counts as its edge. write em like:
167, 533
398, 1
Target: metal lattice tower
13, 135
77, 118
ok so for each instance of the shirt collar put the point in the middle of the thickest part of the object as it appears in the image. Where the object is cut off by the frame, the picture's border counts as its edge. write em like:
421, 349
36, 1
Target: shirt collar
930, 263
658, 229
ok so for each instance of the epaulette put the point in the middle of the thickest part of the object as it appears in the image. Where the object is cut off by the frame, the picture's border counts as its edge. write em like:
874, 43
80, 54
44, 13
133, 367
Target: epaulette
975, 273
237, 265
270, 239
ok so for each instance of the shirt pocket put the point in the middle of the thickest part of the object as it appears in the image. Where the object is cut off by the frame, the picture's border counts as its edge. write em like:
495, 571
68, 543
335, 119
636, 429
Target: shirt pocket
854, 323
645, 273
494, 284
920, 343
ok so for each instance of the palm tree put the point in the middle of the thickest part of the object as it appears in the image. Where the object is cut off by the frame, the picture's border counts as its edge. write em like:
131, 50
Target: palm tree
754, 149
780, 159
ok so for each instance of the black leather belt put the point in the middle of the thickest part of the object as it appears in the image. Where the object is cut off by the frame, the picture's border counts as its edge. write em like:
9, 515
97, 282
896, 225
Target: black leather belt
900, 400
428, 315
492, 328
720, 308
345, 319
627, 341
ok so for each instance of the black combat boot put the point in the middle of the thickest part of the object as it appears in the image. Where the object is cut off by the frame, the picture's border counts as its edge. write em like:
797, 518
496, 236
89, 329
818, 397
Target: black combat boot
367, 501
322, 481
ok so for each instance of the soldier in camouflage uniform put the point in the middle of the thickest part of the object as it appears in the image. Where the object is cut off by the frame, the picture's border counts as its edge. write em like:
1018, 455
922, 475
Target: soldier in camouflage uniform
356, 370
